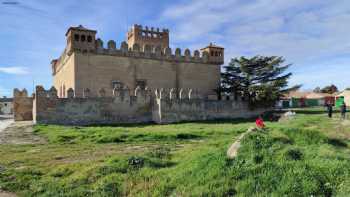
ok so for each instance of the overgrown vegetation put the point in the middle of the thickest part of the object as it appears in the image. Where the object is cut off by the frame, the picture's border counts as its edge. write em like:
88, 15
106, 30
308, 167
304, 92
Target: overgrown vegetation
306, 156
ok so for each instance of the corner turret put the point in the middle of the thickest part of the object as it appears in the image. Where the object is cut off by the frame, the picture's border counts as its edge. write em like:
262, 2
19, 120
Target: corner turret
215, 53
81, 39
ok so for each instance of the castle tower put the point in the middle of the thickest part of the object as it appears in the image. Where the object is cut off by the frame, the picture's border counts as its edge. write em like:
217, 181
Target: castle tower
216, 53
148, 36
81, 39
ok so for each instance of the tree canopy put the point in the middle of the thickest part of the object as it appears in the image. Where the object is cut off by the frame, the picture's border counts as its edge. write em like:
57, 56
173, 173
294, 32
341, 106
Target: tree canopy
259, 80
329, 89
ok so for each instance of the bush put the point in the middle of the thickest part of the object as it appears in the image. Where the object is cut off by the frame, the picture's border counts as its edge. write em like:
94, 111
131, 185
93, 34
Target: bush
337, 142
186, 136
293, 154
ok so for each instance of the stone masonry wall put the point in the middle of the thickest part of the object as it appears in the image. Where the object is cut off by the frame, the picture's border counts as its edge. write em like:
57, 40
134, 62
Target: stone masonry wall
128, 65
170, 110
22, 105
138, 106
122, 108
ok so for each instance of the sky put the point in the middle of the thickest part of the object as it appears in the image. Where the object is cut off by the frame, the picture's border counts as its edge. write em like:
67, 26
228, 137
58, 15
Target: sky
312, 35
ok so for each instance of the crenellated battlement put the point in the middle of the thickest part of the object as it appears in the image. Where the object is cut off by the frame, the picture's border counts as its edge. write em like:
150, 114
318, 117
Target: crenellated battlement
120, 94
20, 93
22, 105
148, 36
149, 52
151, 32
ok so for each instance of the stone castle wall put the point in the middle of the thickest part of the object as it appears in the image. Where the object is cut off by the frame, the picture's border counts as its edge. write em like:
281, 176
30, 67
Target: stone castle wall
190, 106
159, 69
22, 105
126, 106
122, 108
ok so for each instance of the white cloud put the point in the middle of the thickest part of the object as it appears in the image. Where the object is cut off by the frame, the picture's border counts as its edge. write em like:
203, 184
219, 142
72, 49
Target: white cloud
16, 70
307, 33
298, 29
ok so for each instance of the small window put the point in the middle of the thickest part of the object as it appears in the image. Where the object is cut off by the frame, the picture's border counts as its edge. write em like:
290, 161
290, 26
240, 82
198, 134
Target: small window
89, 39
76, 37
83, 38
141, 83
5, 104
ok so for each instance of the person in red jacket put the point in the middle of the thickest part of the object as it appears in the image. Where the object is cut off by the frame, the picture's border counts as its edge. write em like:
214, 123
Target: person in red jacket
260, 123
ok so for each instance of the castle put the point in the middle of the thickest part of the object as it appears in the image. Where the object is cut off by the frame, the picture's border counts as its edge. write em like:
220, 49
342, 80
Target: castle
142, 81
144, 59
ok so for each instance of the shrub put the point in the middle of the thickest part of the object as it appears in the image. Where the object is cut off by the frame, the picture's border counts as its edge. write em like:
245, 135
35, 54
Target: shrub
337, 142
186, 136
293, 154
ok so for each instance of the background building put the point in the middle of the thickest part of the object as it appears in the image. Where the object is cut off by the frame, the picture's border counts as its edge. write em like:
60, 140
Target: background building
6, 106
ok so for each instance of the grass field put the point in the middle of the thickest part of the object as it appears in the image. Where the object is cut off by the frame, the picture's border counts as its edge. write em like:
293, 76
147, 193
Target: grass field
304, 156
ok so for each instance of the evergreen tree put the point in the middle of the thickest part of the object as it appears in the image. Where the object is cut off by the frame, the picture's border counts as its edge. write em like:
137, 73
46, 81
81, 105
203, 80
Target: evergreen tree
329, 89
317, 90
259, 80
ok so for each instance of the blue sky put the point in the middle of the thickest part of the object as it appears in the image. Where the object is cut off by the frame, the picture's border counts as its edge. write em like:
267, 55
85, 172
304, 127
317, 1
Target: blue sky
313, 35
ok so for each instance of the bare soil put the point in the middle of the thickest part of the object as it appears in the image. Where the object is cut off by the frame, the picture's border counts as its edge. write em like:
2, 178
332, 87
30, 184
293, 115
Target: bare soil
6, 194
19, 133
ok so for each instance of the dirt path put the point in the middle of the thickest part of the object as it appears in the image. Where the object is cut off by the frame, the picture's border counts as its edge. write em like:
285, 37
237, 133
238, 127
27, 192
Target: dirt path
233, 150
5, 121
6, 194
19, 133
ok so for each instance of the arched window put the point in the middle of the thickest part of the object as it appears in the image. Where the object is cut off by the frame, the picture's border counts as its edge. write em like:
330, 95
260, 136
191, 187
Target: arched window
216, 53
212, 53
76, 37
83, 38
89, 39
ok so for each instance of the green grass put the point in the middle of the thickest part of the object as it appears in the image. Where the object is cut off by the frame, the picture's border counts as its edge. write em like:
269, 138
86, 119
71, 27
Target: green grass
308, 155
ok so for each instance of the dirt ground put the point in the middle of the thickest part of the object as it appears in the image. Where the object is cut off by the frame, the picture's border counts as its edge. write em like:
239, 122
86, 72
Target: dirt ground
18, 133
6, 194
